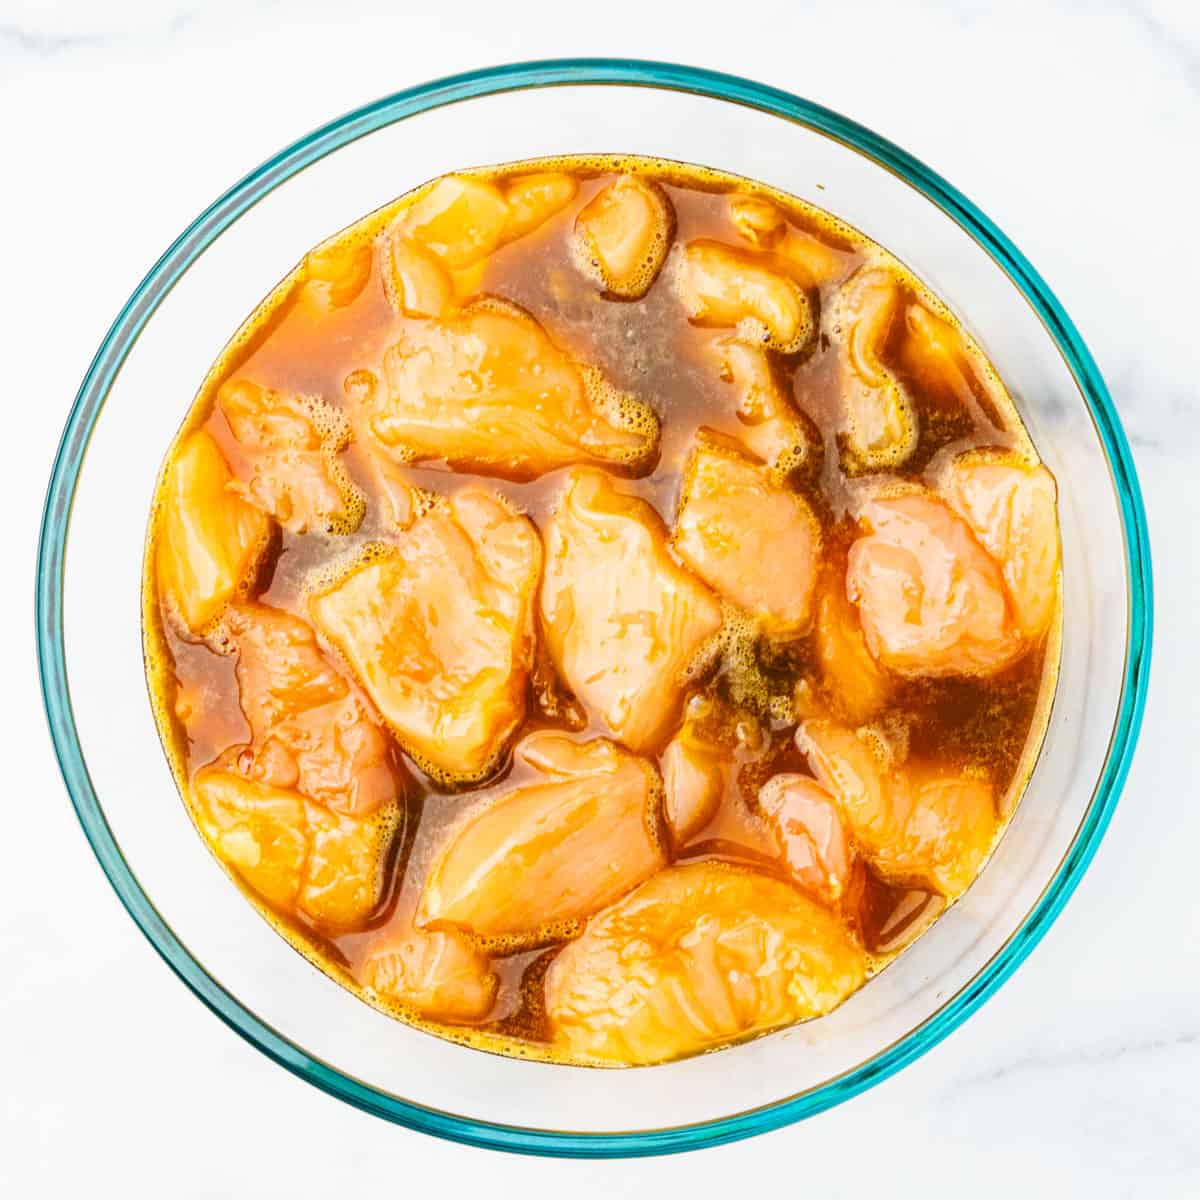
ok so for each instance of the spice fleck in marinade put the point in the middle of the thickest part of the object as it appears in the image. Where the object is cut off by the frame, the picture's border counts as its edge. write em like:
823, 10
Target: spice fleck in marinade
601, 610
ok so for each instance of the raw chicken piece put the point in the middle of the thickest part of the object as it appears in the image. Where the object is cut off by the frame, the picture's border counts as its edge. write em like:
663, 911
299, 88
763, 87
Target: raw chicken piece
693, 780
553, 850
623, 622
754, 541
289, 443
1011, 506
344, 873
439, 630
757, 220
436, 974
881, 423
947, 370
416, 282
305, 813
812, 839
857, 686
299, 856
693, 771
308, 729
458, 222
753, 293
209, 538
771, 426
460, 219
918, 823
765, 227
534, 199
391, 482
486, 390
694, 957
337, 273
258, 830
931, 599
623, 234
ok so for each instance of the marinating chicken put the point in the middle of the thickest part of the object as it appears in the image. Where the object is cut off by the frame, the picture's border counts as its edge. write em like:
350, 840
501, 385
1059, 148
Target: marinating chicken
699, 955
1013, 510
751, 293
536, 858
765, 227
299, 856
487, 390
855, 685
771, 426
209, 538
417, 283
811, 835
306, 811
917, 823
750, 538
460, 219
622, 620
438, 628
623, 234
760, 222
931, 599
336, 274
289, 445
438, 974
533, 199
308, 729
391, 482
943, 367
880, 420
693, 770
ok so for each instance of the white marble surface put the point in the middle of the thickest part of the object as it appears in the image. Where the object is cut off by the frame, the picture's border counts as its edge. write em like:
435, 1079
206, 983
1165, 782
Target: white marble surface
1075, 126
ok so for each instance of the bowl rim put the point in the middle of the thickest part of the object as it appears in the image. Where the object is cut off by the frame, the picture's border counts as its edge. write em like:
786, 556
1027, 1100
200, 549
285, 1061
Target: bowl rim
226, 209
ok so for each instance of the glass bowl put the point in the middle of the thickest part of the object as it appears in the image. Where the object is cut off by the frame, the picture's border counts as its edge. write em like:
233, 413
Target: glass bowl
139, 387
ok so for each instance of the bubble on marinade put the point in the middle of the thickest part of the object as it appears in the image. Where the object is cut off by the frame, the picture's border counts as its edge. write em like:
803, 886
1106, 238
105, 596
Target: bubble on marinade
624, 411
449, 782
635, 282
329, 574
360, 385
734, 652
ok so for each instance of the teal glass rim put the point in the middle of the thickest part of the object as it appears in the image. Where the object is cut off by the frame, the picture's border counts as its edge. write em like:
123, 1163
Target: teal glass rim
209, 225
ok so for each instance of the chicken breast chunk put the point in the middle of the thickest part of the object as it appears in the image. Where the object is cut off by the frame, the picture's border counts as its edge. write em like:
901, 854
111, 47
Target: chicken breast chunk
752, 539
438, 974
485, 389
622, 620
855, 685
623, 235
308, 728
731, 288
694, 957
301, 857
1012, 508
932, 601
578, 832
811, 836
771, 426
880, 421
917, 823
289, 445
209, 537
306, 812
438, 628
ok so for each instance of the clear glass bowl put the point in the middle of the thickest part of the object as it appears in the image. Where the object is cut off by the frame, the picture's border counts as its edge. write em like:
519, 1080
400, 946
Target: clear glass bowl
139, 387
